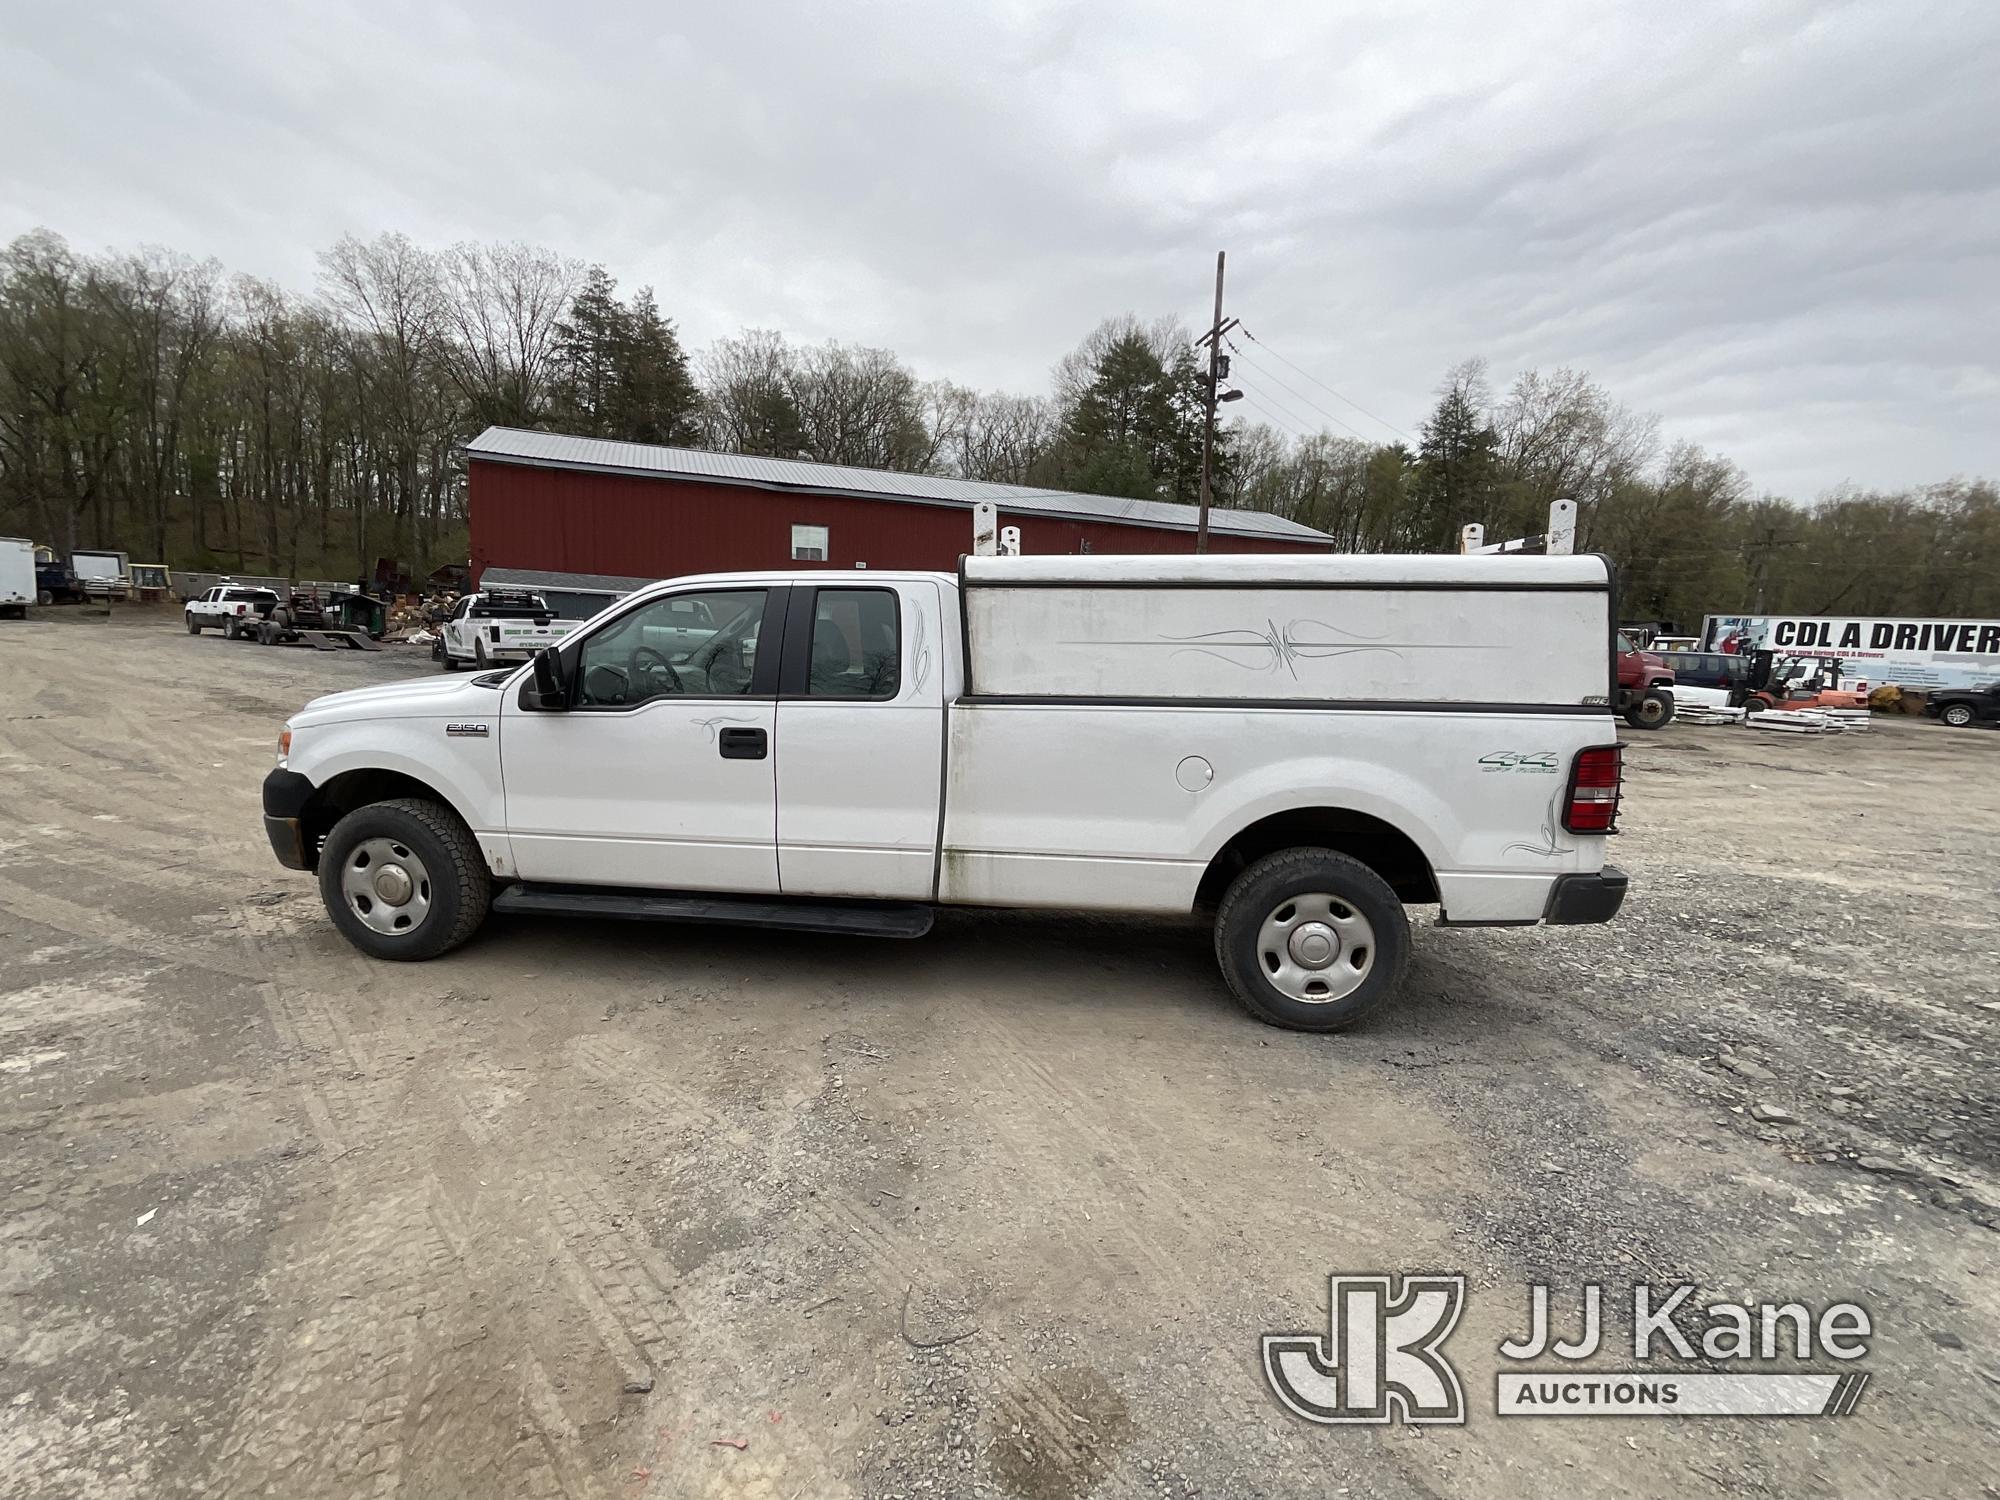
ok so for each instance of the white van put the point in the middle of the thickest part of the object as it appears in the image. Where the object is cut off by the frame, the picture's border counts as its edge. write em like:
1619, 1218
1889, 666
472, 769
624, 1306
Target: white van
1297, 746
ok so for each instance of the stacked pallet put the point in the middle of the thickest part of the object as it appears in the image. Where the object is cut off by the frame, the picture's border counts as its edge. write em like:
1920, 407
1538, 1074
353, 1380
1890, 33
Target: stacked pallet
1702, 713
1793, 721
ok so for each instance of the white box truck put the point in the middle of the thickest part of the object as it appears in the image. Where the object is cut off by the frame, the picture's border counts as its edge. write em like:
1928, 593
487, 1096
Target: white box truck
1293, 747
17, 576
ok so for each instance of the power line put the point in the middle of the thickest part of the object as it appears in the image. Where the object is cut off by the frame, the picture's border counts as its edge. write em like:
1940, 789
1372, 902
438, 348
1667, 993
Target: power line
1304, 424
1324, 386
1297, 395
1273, 418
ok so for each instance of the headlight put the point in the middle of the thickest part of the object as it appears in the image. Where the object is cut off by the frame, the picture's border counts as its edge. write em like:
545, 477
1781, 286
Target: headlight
284, 744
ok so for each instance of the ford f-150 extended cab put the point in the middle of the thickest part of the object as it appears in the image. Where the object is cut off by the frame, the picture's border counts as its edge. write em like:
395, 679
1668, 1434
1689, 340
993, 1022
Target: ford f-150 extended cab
1298, 746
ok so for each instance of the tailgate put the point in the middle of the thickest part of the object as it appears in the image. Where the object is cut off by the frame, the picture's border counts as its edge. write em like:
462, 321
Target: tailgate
525, 635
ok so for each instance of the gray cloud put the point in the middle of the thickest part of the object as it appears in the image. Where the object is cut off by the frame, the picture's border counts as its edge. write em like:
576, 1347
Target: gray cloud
1776, 224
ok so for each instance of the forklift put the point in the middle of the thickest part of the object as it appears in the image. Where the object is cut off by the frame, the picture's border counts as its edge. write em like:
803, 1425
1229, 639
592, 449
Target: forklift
1795, 682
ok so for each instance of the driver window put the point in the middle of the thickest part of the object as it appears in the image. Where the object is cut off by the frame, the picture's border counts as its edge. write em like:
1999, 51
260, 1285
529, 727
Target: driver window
700, 645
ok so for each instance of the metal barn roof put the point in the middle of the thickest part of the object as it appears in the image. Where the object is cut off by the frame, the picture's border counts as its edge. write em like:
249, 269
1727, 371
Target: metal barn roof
554, 450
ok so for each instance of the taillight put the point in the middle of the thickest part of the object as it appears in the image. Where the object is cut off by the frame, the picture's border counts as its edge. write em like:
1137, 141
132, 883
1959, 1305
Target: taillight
1593, 790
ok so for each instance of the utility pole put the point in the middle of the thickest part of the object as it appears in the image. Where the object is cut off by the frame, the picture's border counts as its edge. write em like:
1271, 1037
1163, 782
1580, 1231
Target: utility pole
1216, 369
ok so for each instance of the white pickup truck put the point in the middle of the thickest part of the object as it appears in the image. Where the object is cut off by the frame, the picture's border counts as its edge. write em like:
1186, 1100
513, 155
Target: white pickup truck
497, 626
232, 608
1295, 746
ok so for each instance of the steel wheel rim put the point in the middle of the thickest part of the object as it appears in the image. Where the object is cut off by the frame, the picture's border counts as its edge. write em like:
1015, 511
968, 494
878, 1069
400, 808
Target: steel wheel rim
387, 886
1315, 948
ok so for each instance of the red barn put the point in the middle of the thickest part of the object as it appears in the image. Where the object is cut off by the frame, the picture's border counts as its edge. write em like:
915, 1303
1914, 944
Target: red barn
546, 503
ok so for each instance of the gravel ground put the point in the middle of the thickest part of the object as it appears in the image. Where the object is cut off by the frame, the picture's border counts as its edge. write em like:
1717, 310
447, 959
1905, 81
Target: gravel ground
601, 1210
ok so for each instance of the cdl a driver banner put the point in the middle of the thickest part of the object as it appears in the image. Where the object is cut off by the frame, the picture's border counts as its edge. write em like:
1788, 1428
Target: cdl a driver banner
1909, 653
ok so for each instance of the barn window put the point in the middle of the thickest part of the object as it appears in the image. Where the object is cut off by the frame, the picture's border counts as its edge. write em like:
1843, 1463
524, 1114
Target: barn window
808, 544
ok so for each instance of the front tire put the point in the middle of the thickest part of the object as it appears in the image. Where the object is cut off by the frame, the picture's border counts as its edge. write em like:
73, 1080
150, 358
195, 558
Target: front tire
404, 879
1957, 715
194, 625
1311, 940
1654, 711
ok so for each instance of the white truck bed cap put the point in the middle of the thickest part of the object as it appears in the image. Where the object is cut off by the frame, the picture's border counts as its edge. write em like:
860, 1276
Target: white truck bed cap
1383, 570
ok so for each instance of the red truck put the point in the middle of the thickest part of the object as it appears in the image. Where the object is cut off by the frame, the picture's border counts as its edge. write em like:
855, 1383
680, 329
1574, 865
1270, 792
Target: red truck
1645, 686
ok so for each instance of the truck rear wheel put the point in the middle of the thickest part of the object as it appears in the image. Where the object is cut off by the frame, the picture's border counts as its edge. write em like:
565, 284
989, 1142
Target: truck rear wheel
1654, 711
404, 879
1311, 940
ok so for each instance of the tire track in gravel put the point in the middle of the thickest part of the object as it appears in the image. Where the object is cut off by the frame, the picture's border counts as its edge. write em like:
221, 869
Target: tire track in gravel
380, 1121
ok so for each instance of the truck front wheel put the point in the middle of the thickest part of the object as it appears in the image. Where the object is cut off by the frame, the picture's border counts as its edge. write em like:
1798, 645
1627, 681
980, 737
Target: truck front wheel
1311, 940
193, 625
404, 879
1654, 711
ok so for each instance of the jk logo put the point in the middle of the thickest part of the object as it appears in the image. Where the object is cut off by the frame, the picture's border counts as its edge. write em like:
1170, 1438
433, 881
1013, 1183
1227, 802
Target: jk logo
1380, 1360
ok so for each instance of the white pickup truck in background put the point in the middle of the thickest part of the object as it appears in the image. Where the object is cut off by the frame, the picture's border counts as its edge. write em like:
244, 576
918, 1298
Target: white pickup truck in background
232, 608
498, 627
1294, 747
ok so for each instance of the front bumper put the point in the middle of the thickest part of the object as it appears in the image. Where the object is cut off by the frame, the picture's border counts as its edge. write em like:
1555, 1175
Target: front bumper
285, 796
1576, 898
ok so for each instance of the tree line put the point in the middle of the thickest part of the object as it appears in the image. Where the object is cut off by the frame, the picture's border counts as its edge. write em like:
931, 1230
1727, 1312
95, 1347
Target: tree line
151, 401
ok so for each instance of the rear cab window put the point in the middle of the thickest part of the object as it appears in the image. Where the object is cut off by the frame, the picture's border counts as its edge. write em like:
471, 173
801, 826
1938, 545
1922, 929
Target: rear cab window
856, 645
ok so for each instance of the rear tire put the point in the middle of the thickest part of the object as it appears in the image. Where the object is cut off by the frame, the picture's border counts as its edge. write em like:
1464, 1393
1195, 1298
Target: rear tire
443, 865
1315, 896
1654, 711
479, 654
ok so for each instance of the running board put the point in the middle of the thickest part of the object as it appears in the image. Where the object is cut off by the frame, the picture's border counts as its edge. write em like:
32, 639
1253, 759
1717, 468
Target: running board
903, 919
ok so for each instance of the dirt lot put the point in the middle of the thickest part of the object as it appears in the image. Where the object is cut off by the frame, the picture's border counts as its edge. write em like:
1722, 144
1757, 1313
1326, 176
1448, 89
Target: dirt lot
596, 1210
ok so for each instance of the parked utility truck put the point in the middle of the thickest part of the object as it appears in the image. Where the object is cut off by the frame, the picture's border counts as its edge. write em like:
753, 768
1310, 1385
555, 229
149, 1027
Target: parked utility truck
1295, 747
497, 626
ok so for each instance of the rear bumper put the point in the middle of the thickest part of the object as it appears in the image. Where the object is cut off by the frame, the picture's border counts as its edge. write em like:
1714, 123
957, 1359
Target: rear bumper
1576, 899
285, 796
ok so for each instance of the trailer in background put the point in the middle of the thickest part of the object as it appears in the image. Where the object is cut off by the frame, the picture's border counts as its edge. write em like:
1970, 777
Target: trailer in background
1920, 654
17, 576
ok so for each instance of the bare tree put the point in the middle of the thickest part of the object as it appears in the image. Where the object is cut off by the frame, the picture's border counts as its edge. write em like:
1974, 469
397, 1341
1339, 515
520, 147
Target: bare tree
387, 292
502, 307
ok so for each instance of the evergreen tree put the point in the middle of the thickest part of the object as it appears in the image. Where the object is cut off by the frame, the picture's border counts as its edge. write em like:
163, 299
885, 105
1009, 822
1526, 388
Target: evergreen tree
655, 396
1133, 425
1457, 466
620, 371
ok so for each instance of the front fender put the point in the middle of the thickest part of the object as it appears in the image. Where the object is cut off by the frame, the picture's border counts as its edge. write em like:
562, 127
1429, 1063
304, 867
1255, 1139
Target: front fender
464, 771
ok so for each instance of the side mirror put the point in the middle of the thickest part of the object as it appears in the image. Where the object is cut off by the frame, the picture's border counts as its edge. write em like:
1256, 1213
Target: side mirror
546, 689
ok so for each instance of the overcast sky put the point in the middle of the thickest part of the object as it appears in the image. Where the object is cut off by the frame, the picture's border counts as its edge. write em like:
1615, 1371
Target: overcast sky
1777, 224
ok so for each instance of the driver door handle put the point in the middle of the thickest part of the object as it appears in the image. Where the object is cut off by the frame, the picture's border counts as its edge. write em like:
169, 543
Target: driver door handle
744, 744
